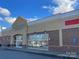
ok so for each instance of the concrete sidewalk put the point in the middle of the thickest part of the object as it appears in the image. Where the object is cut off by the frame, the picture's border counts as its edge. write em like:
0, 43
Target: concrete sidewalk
41, 52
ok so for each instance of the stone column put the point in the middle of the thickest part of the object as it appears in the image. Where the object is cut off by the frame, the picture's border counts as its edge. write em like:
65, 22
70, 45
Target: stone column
0, 30
60, 38
25, 43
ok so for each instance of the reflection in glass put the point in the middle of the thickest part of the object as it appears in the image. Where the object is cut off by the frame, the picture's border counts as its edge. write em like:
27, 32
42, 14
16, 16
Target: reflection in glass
38, 40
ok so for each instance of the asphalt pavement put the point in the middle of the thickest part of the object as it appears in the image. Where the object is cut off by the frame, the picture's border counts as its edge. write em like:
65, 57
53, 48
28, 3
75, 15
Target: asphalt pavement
6, 54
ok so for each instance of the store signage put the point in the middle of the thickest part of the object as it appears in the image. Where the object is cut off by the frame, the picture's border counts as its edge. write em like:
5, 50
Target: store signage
72, 22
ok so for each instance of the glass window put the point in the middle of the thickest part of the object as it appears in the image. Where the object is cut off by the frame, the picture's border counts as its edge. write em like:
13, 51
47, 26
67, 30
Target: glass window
38, 40
74, 40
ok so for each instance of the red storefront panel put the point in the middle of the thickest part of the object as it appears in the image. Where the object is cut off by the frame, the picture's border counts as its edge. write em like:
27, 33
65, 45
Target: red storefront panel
72, 22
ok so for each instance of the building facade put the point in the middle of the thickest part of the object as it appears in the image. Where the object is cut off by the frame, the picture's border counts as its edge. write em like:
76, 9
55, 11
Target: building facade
54, 33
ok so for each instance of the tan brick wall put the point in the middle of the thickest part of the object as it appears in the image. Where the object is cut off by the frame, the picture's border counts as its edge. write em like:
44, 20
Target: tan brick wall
53, 38
5, 40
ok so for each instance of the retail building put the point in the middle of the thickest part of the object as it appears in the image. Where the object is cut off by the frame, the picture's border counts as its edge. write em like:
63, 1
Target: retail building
55, 33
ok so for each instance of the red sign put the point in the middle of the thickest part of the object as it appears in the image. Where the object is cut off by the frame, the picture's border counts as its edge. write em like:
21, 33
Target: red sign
72, 22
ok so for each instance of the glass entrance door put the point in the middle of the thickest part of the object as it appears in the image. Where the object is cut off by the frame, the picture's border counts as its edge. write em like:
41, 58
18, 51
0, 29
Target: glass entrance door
18, 41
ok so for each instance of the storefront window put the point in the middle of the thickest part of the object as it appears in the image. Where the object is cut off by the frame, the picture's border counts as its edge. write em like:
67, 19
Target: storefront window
74, 40
38, 40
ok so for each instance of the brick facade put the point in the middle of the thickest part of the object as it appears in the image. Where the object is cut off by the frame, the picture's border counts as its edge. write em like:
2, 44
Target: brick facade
5, 40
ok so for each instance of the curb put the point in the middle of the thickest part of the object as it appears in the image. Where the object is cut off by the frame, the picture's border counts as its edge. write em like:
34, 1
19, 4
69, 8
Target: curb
39, 53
